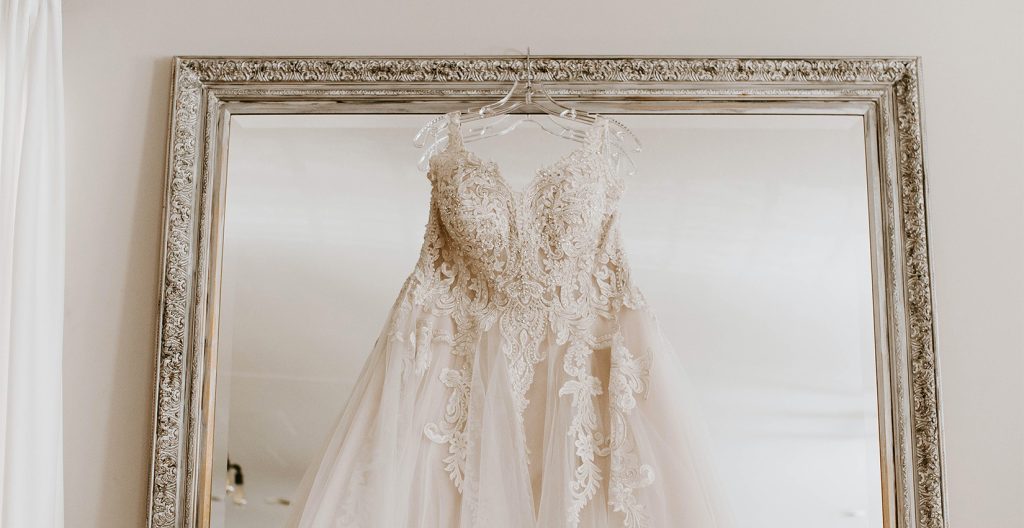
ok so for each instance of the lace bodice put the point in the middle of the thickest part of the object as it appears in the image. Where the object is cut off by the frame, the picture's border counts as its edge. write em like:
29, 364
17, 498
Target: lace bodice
507, 280
548, 257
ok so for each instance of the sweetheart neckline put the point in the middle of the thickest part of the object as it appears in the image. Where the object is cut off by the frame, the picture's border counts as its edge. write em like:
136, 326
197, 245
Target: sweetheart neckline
590, 136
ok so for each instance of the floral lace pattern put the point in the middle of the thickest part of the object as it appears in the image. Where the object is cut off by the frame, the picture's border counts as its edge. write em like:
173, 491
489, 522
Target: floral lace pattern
589, 442
542, 263
628, 378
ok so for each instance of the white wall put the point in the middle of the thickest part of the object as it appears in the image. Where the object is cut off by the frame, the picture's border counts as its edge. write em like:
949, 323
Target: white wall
117, 55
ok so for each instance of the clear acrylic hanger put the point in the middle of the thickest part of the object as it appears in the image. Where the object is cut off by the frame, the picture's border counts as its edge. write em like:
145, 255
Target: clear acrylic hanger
507, 123
546, 104
624, 139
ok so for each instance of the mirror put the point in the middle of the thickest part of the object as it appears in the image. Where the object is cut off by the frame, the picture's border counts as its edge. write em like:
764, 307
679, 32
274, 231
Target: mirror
739, 334
749, 235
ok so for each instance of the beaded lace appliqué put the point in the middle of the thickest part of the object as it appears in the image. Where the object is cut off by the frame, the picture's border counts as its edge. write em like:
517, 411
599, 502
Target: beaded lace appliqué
546, 259
629, 375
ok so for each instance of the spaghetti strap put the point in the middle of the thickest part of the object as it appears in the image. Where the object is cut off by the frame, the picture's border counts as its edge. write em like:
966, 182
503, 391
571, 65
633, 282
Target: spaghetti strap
454, 128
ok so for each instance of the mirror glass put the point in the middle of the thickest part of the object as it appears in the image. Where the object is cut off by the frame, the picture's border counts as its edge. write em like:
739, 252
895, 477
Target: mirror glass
748, 234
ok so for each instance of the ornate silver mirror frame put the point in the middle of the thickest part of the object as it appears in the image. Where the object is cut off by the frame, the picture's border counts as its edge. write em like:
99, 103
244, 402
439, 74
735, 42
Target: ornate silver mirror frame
883, 90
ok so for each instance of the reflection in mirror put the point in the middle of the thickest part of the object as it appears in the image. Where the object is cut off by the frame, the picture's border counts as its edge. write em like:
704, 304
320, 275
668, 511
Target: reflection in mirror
748, 234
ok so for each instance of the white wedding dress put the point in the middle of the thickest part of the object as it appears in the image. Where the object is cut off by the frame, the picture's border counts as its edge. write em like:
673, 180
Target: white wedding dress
520, 380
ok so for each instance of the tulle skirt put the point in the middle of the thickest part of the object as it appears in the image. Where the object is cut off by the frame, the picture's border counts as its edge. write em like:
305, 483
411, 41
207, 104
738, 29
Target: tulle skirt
610, 438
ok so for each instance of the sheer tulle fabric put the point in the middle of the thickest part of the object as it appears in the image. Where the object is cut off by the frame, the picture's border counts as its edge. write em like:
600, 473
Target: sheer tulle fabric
380, 470
585, 421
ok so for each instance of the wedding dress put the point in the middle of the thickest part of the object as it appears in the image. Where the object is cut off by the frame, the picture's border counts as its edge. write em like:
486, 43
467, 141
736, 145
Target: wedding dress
520, 380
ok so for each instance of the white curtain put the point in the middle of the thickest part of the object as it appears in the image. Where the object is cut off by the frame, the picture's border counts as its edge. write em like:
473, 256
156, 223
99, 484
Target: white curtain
31, 264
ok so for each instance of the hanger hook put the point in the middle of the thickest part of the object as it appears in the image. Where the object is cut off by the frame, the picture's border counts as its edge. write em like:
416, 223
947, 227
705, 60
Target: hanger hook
529, 67
529, 76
